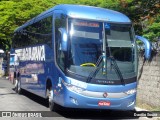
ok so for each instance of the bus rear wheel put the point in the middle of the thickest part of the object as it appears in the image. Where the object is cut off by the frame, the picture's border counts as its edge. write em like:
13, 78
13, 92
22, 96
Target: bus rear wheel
18, 88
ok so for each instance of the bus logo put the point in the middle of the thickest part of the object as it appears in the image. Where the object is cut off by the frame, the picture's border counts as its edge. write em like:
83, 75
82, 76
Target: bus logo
105, 95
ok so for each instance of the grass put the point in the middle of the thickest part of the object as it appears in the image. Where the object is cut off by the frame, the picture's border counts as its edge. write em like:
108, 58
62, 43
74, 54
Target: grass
143, 105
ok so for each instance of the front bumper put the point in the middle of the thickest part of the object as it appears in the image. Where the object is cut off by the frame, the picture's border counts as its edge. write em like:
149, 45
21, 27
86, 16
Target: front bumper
71, 99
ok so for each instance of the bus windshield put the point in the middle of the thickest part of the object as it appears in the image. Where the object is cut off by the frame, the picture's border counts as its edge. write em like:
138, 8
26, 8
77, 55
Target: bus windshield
86, 47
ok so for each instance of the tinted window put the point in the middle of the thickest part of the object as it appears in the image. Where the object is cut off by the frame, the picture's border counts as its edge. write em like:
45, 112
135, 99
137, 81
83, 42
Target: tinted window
37, 33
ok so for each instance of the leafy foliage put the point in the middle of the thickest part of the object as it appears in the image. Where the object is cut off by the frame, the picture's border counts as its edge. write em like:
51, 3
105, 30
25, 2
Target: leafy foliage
152, 31
148, 18
143, 13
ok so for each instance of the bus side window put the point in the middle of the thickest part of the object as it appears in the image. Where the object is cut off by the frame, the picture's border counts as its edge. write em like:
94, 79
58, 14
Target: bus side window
40, 32
60, 22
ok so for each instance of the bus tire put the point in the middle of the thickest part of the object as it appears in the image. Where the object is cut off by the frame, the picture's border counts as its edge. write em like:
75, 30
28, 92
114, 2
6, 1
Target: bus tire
15, 82
18, 87
14, 78
52, 105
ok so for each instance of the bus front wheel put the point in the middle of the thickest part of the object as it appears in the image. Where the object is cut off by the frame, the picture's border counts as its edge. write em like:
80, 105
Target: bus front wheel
52, 105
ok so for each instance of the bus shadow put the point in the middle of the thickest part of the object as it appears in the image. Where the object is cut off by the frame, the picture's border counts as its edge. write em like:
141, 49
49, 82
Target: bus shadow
104, 114
34, 98
8, 94
97, 114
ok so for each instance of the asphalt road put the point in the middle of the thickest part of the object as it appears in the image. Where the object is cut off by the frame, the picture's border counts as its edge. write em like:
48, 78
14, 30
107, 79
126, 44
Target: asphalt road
27, 102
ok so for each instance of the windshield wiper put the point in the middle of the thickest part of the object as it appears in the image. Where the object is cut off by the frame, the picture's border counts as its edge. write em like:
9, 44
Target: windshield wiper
94, 72
115, 66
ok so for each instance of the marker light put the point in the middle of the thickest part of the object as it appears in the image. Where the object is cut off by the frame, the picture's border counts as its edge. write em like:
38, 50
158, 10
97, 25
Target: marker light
73, 100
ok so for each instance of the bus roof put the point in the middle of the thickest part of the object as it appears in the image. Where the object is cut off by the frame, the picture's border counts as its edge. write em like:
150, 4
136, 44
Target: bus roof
85, 12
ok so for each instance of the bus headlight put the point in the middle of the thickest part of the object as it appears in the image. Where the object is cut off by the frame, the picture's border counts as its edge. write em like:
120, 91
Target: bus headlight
132, 91
72, 87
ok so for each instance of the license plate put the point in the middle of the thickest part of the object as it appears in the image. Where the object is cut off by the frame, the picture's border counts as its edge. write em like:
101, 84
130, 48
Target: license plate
104, 103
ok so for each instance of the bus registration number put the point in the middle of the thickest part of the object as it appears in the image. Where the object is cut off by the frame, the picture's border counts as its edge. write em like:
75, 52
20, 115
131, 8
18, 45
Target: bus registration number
104, 103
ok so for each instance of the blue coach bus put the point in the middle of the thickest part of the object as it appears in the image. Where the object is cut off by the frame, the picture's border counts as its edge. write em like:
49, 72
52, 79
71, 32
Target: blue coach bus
79, 57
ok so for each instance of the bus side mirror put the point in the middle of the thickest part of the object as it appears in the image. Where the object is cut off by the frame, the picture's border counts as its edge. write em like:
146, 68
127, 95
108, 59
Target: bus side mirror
63, 39
147, 46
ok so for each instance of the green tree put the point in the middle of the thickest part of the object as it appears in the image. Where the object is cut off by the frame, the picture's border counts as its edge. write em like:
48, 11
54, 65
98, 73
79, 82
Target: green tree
14, 13
152, 31
145, 15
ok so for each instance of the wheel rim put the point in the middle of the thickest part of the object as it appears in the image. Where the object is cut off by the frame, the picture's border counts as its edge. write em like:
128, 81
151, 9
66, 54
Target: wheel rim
19, 85
50, 96
15, 83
